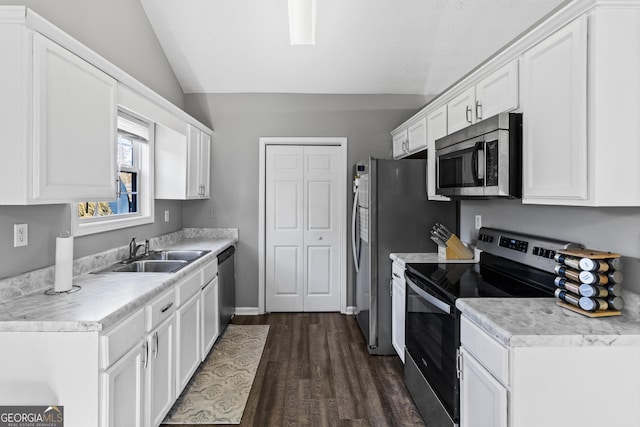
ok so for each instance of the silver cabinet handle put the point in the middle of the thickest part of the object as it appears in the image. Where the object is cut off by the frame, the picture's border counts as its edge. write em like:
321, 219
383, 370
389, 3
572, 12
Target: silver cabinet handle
468, 113
478, 110
157, 339
166, 307
146, 354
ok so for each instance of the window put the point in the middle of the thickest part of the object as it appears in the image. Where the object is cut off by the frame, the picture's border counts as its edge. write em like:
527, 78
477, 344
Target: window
133, 203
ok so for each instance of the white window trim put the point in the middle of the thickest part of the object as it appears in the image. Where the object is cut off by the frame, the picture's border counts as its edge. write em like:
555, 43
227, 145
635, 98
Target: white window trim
145, 204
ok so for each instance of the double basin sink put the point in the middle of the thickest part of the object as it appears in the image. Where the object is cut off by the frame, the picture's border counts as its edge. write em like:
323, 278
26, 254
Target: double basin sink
162, 261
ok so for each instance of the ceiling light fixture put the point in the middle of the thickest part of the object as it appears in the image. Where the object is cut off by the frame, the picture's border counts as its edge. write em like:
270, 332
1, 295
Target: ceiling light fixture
302, 22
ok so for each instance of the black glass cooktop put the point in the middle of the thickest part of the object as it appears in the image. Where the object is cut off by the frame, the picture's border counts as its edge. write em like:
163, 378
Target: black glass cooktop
492, 277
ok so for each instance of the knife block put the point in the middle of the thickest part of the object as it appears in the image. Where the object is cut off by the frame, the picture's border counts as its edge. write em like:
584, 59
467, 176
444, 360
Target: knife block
454, 249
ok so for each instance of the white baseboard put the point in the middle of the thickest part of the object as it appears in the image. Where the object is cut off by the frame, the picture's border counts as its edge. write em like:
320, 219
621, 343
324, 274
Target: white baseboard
350, 310
247, 311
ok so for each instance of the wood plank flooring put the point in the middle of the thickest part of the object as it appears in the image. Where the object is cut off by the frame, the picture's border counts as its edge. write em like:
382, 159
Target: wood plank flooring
315, 371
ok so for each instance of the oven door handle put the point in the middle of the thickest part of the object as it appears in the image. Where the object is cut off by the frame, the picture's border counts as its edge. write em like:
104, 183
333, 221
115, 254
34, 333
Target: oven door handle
427, 296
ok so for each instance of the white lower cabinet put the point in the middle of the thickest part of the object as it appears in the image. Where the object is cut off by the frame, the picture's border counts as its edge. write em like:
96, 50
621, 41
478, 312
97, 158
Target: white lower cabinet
188, 323
482, 397
159, 364
546, 382
209, 319
398, 305
123, 390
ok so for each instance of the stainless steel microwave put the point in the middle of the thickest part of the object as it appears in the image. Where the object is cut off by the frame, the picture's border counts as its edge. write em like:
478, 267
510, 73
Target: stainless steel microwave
482, 160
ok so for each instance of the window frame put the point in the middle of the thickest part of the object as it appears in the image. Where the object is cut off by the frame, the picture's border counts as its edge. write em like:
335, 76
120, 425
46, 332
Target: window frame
146, 200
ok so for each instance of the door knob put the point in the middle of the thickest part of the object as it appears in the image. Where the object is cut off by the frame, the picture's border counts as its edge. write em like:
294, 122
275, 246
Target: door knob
320, 238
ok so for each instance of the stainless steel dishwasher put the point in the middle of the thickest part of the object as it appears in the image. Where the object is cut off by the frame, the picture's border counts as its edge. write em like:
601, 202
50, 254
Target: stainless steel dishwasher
226, 286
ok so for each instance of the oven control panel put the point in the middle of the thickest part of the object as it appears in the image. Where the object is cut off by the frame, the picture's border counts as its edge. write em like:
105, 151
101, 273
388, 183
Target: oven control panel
534, 251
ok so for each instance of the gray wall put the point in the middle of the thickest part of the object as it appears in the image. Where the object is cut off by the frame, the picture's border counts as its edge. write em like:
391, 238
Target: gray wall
606, 229
240, 120
119, 31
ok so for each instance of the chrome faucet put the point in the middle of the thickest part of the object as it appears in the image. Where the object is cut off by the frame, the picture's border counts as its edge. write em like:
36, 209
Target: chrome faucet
133, 247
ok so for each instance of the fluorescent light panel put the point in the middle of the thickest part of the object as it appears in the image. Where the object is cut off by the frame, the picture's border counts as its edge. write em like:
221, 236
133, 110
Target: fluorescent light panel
302, 22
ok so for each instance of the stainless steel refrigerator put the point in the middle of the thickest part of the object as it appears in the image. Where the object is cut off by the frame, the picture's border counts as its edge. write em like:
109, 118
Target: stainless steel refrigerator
391, 213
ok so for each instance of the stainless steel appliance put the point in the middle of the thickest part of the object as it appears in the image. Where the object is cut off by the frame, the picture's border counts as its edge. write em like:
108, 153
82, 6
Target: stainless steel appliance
391, 213
226, 286
511, 265
482, 160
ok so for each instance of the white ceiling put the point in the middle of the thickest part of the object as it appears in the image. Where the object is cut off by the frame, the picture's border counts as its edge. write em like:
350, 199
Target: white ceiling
362, 46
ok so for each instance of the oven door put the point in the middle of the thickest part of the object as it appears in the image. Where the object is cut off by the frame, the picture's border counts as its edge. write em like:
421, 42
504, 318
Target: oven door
460, 168
432, 338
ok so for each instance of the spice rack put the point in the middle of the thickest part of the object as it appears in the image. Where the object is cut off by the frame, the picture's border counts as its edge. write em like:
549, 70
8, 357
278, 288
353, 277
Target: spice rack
589, 282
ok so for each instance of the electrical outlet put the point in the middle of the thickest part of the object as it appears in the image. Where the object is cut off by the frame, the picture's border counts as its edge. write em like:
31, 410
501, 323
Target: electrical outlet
166, 216
478, 222
212, 213
20, 235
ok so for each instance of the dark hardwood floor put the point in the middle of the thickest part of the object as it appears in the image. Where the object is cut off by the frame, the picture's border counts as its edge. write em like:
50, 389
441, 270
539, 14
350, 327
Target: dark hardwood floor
315, 371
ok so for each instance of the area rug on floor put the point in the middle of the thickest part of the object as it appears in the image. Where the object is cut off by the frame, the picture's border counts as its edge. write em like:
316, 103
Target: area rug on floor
218, 391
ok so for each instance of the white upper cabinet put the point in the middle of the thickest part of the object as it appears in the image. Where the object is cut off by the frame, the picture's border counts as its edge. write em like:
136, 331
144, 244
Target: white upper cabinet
57, 123
580, 112
410, 139
555, 116
494, 94
498, 92
460, 110
182, 163
436, 128
399, 143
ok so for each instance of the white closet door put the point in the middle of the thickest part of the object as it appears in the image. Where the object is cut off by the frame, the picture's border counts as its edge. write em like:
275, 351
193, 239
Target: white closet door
321, 228
302, 228
284, 228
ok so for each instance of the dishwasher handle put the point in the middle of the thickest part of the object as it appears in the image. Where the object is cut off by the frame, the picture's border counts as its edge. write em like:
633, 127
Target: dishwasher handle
226, 254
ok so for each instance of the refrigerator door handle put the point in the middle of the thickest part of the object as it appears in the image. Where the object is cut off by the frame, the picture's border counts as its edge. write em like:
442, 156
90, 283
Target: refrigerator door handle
353, 230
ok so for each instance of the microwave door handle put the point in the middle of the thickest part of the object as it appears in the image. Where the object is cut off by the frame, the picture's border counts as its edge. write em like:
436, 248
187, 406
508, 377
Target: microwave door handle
481, 163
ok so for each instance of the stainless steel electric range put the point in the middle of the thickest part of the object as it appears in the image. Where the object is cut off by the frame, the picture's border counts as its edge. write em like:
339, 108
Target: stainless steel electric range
511, 265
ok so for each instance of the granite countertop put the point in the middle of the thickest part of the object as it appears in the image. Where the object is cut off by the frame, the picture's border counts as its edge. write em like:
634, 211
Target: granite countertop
528, 322
104, 299
424, 258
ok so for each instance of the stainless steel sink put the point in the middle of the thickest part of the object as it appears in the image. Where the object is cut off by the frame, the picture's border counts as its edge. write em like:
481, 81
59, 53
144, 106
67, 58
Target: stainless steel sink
161, 261
150, 266
183, 255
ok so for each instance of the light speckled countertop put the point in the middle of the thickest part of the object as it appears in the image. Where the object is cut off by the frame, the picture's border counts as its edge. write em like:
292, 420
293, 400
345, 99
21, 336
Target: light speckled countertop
525, 322
422, 258
104, 299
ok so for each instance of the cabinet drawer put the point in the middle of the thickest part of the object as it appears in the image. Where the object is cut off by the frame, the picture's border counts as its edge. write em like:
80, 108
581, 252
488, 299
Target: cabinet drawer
488, 351
397, 272
209, 271
160, 309
189, 286
120, 339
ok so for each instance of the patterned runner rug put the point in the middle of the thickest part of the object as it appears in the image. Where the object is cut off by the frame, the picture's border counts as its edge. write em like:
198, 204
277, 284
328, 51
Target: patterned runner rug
218, 391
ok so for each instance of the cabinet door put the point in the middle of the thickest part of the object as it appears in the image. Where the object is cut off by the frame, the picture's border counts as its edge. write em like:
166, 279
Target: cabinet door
188, 355
122, 384
498, 92
193, 163
209, 307
461, 110
436, 128
160, 375
398, 304
205, 165
74, 127
483, 400
554, 117
417, 136
399, 144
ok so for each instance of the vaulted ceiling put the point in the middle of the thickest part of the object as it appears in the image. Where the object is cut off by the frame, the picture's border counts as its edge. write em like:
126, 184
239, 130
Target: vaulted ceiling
362, 46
